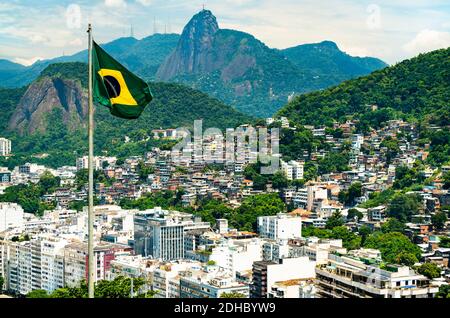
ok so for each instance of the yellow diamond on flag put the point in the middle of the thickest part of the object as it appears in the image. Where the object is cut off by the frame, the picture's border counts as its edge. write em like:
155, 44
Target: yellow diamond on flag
117, 88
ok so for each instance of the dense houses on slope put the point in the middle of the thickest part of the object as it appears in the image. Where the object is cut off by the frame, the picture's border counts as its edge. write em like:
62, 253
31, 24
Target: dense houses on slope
180, 255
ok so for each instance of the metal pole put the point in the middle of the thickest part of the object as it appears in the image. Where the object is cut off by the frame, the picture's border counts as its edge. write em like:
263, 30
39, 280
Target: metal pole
91, 264
132, 287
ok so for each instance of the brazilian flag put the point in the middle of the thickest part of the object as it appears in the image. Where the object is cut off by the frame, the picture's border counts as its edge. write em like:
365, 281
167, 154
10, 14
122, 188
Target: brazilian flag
115, 87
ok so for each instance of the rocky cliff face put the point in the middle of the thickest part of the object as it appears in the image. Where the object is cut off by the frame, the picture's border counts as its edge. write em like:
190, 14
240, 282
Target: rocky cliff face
203, 49
193, 52
44, 96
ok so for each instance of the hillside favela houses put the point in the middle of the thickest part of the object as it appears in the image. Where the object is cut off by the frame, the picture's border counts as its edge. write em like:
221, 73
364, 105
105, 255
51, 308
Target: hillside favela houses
217, 232
185, 204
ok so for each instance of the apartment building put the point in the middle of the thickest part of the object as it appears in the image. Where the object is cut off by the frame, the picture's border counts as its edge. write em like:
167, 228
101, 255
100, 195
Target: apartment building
308, 197
99, 162
166, 278
318, 250
280, 226
5, 147
351, 277
267, 273
5, 175
294, 288
76, 261
209, 285
11, 216
237, 255
293, 170
33, 264
160, 233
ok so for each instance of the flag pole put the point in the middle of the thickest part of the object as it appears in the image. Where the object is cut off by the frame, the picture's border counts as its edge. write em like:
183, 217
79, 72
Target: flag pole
91, 264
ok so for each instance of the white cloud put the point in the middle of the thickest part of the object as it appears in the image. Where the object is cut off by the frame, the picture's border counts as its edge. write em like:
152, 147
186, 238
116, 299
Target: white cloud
30, 35
43, 30
145, 2
115, 3
356, 51
28, 62
426, 41
76, 42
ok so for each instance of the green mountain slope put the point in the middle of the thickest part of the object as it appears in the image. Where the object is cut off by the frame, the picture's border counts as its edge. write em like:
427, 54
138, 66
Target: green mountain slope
8, 103
230, 65
59, 115
141, 56
242, 71
418, 88
329, 63
245, 73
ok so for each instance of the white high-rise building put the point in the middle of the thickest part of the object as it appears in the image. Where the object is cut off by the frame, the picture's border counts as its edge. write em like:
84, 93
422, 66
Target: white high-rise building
11, 216
5, 147
306, 197
267, 274
280, 226
34, 264
83, 162
297, 169
222, 226
17, 267
52, 262
294, 170
357, 141
287, 169
237, 255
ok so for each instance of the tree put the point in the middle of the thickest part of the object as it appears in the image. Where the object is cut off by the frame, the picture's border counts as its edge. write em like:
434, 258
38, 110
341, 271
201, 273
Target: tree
429, 270
144, 170
447, 180
394, 247
311, 231
444, 241
364, 232
164, 199
335, 220
444, 292
120, 287
392, 148
259, 182
438, 220
405, 258
279, 180
354, 191
403, 206
350, 240
48, 182
310, 171
2, 282
38, 293
333, 162
354, 213
405, 177
393, 225
245, 217
232, 295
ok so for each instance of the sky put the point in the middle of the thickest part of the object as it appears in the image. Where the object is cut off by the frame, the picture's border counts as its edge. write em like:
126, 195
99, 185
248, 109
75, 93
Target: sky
392, 30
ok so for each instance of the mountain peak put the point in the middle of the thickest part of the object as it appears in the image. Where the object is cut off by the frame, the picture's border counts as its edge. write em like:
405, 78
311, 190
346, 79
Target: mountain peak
194, 44
202, 24
329, 44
